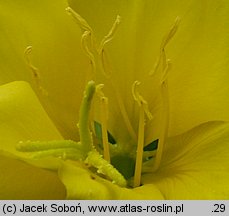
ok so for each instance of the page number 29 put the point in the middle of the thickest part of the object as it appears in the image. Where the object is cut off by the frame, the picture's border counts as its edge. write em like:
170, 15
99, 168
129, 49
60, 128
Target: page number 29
219, 208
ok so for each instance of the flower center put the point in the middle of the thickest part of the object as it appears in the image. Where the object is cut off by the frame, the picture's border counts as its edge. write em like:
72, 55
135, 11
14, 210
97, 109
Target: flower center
100, 149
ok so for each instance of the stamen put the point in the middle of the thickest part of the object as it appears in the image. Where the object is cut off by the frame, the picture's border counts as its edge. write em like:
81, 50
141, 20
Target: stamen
165, 118
110, 34
85, 133
104, 116
141, 132
165, 41
165, 67
34, 70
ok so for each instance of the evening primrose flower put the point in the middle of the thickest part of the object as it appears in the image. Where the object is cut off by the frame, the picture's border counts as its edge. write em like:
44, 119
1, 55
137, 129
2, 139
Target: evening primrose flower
124, 151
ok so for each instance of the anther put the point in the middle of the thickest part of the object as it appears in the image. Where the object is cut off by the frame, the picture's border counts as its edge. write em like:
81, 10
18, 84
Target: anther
79, 20
110, 34
165, 41
101, 51
171, 33
34, 70
87, 39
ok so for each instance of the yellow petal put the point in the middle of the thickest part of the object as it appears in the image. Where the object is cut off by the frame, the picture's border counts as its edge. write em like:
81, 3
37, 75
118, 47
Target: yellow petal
23, 118
56, 53
195, 164
80, 183
198, 81
19, 180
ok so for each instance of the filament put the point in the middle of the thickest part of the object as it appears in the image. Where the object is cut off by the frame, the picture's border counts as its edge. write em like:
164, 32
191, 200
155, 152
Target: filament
141, 132
138, 164
165, 119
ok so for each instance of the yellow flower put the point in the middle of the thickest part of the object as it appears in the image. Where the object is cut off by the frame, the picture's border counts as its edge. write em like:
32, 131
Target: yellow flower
122, 42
